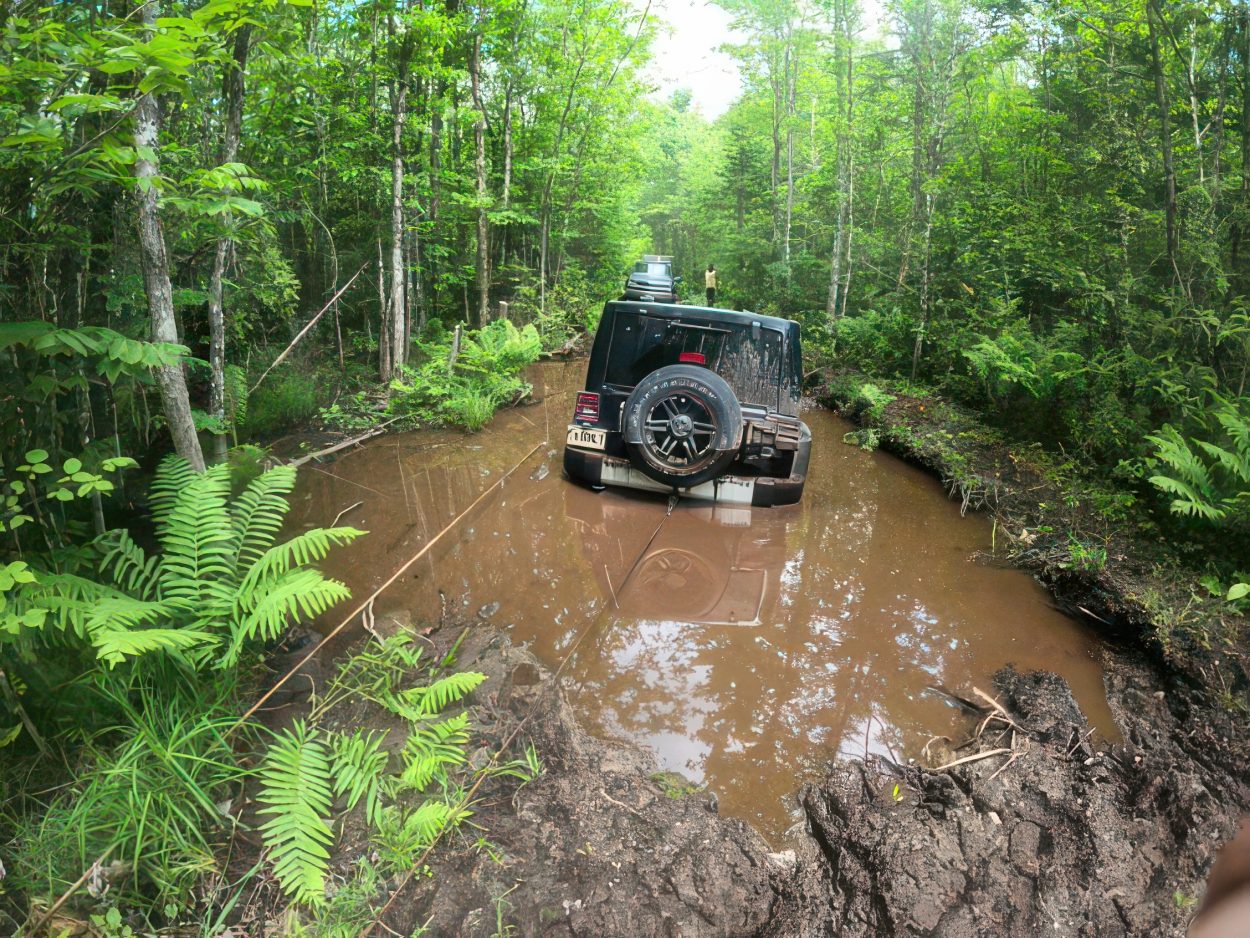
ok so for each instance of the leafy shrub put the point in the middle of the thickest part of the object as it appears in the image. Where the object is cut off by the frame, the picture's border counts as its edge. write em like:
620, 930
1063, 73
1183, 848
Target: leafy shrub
287, 398
870, 400
875, 341
483, 376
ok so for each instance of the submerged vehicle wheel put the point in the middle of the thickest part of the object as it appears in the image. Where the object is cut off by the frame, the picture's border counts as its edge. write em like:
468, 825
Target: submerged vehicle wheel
683, 425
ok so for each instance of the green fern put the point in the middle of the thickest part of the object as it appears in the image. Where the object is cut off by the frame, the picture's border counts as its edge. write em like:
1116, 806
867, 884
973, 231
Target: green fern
198, 559
431, 749
418, 703
259, 511
299, 551
126, 563
116, 646
218, 575
1207, 480
402, 836
296, 793
267, 611
357, 767
172, 477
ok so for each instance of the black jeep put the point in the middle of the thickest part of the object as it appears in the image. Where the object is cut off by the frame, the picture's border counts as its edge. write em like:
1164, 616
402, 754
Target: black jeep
685, 398
652, 281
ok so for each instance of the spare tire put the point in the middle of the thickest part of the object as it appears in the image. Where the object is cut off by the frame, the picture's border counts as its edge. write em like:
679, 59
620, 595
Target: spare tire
683, 425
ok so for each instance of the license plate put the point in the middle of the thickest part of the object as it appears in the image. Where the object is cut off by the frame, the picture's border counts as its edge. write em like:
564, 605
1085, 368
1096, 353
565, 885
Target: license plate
587, 437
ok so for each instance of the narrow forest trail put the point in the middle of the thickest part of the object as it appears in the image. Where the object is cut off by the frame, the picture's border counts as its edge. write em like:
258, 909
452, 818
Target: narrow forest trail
745, 649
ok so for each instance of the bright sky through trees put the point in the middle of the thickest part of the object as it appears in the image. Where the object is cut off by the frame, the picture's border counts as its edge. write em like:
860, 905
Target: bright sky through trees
688, 51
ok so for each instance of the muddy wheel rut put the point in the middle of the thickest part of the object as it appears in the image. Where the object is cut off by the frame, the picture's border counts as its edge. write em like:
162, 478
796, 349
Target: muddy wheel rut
790, 665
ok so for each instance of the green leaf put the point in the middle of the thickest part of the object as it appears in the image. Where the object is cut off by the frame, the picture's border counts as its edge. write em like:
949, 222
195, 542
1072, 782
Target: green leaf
37, 456
296, 794
1238, 591
71, 466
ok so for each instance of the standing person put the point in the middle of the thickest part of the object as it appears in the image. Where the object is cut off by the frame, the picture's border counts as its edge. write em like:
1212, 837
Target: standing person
709, 281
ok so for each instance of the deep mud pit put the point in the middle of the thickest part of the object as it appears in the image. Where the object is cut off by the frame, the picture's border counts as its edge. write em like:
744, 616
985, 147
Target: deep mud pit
746, 648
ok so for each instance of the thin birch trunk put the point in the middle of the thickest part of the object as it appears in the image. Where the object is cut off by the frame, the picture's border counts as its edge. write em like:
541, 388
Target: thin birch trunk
479, 165
169, 378
232, 90
396, 307
1165, 137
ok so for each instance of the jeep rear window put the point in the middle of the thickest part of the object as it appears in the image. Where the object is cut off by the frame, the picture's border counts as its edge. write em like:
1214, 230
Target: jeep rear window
751, 365
654, 270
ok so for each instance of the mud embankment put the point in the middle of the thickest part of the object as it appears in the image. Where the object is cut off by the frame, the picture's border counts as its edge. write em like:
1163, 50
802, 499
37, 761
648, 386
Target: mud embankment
1071, 838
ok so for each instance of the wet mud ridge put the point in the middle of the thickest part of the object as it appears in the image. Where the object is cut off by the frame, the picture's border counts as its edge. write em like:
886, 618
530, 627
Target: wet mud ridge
1072, 838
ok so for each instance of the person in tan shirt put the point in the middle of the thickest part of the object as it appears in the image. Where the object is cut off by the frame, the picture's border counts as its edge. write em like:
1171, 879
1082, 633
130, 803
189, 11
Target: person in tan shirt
709, 281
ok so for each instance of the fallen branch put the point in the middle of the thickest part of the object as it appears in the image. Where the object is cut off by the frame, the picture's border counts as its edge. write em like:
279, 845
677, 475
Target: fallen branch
368, 434
312, 322
974, 758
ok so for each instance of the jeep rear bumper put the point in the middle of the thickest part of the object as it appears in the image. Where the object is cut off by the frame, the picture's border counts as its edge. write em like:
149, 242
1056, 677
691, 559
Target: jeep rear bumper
597, 468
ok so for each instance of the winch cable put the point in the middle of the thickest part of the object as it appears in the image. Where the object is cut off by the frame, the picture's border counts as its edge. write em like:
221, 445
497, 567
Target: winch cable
502, 749
404, 568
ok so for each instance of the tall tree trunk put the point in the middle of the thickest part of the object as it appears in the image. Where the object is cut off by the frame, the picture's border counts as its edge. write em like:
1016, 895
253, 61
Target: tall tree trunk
396, 307
792, 82
232, 87
479, 166
169, 378
506, 194
1165, 136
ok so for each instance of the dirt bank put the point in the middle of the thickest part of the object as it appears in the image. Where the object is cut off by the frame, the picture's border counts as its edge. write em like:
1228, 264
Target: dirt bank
599, 844
1070, 839
1073, 837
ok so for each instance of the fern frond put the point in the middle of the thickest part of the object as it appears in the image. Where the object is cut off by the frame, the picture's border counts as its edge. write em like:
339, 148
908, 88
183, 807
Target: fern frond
1236, 426
1236, 465
127, 565
71, 600
1189, 502
401, 836
295, 791
300, 550
357, 767
116, 645
172, 477
258, 512
431, 748
1174, 451
419, 702
198, 563
277, 604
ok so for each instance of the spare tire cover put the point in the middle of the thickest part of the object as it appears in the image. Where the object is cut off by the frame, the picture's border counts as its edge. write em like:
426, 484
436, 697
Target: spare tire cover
683, 425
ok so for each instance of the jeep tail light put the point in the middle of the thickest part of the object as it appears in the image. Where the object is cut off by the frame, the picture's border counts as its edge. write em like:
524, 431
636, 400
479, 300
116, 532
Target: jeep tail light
587, 407
692, 358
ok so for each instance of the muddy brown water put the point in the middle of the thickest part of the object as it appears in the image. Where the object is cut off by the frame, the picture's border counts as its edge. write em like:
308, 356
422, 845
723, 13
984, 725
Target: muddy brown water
746, 648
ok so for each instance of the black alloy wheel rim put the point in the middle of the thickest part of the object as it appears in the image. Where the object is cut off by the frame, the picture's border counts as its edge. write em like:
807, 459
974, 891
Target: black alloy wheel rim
678, 431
